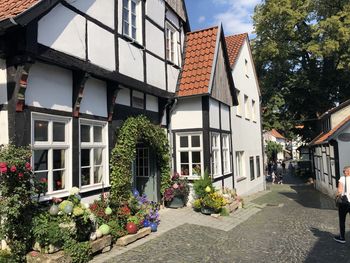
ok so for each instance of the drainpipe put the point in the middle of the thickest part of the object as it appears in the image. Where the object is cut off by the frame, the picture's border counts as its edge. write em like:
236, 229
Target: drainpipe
171, 110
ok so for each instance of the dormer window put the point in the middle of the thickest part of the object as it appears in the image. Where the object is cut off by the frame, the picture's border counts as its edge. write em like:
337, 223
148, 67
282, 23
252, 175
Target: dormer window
132, 19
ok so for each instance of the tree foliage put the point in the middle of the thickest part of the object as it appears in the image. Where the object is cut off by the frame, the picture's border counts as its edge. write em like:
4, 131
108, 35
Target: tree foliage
302, 55
272, 149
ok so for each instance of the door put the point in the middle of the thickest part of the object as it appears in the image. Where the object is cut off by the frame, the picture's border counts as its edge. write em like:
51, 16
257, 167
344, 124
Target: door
145, 172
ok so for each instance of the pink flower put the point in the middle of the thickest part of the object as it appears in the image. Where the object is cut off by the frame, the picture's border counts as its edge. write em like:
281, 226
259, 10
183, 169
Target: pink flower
3, 164
3, 169
43, 180
27, 165
13, 168
20, 175
175, 186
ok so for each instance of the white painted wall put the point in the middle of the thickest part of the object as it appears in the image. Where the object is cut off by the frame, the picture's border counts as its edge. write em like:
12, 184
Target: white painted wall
152, 103
3, 82
154, 39
338, 116
246, 134
187, 114
173, 18
155, 9
4, 134
130, 60
94, 100
63, 30
155, 72
49, 87
225, 117
101, 50
344, 151
214, 117
101, 10
173, 75
123, 97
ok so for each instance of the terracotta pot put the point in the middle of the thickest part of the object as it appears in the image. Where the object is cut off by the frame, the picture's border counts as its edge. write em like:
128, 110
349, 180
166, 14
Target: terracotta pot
131, 228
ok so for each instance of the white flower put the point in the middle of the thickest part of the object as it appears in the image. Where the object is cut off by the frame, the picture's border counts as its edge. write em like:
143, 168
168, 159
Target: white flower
74, 190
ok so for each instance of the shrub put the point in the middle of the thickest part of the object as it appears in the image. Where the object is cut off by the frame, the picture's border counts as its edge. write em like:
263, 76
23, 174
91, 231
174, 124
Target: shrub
200, 185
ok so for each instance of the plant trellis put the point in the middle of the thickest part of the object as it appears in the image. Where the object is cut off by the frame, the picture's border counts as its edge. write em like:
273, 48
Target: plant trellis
132, 131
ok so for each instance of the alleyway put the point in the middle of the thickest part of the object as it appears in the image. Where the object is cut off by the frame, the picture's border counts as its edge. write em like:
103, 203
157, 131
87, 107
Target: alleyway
295, 224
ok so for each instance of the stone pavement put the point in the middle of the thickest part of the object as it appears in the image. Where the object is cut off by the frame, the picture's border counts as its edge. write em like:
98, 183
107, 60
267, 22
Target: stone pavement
289, 223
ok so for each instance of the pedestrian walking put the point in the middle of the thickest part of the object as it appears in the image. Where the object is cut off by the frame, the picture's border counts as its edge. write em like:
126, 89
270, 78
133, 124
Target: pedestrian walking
280, 178
273, 177
283, 167
343, 209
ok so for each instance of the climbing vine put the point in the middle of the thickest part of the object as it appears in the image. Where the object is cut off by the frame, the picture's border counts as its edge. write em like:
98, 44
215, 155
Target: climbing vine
134, 130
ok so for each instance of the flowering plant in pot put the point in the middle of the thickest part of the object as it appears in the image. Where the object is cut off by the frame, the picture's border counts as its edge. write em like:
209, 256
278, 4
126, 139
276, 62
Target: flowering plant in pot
177, 194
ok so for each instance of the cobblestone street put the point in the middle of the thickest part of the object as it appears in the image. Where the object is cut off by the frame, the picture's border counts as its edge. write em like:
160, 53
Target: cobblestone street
295, 224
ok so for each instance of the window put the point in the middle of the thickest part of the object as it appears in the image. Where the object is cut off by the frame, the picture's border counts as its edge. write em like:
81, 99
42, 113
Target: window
239, 106
226, 153
138, 100
246, 107
246, 68
251, 164
240, 164
170, 43
253, 110
189, 154
131, 19
258, 166
93, 153
51, 151
215, 150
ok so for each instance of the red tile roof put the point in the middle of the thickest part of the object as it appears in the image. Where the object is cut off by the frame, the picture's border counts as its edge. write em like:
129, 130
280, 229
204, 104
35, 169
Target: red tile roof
323, 137
276, 134
198, 63
11, 8
234, 44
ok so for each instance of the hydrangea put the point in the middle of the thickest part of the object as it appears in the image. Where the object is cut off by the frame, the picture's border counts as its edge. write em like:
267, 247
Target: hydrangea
74, 190
78, 211
64, 203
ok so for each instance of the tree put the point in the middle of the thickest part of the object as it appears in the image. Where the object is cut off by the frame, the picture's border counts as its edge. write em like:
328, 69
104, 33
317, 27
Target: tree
302, 55
272, 149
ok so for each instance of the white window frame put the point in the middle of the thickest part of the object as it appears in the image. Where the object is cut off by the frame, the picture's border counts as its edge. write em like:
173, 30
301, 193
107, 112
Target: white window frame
171, 43
240, 167
216, 155
94, 145
50, 145
189, 149
226, 149
246, 107
128, 20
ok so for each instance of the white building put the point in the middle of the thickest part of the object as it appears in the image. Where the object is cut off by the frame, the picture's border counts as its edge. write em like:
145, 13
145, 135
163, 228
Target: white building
275, 136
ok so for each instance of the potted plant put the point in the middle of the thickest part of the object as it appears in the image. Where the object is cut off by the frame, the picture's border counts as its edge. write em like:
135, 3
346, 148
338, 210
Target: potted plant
176, 195
212, 203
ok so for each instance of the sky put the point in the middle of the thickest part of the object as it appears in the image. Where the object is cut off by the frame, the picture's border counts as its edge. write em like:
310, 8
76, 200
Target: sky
235, 15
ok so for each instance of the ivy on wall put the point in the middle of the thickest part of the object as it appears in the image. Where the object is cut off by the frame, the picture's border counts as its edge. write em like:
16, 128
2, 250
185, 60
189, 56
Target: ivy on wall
134, 130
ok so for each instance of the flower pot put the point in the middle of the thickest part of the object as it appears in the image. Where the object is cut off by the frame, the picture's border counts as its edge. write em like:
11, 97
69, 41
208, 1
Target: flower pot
207, 210
176, 202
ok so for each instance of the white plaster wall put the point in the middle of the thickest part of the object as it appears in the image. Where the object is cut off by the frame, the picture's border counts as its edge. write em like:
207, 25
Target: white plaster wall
187, 114
344, 151
152, 103
246, 134
225, 117
155, 9
173, 75
49, 87
101, 10
94, 100
154, 39
101, 51
214, 117
172, 17
123, 97
339, 116
4, 134
130, 60
3, 82
155, 72
63, 30
228, 183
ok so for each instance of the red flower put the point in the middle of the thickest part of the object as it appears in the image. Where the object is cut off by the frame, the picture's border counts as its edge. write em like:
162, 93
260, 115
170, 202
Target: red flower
3, 164
13, 168
27, 165
20, 175
58, 183
3, 169
43, 180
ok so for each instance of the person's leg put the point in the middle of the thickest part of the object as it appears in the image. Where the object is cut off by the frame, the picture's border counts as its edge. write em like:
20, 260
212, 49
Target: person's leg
342, 211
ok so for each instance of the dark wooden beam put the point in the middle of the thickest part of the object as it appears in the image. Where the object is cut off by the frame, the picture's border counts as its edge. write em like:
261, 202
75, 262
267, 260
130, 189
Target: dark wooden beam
79, 80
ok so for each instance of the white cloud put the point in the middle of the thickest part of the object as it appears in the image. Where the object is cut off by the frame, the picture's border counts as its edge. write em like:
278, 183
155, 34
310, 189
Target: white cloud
237, 17
201, 19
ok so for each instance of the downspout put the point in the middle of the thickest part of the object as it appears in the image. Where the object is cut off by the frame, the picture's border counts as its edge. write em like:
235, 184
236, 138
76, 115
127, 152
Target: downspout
171, 138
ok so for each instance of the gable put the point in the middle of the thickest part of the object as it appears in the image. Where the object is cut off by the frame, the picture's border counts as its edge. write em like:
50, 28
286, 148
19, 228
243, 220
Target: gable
339, 115
178, 7
221, 84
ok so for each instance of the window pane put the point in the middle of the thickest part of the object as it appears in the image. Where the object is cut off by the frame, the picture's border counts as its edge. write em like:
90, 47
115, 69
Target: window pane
125, 3
133, 33
85, 176
85, 133
97, 134
133, 7
40, 160
58, 159
98, 175
85, 157
41, 131
58, 132
126, 28
184, 157
58, 180
183, 141
196, 169
196, 141
133, 21
196, 157
42, 178
185, 169
98, 156
251, 162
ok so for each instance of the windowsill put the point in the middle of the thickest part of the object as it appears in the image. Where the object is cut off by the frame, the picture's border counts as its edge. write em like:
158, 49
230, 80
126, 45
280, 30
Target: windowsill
239, 116
57, 194
240, 179
173, 64
132, 41
88, 188
192, 177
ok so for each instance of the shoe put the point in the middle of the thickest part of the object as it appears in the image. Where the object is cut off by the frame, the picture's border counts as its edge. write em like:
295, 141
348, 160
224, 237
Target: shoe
339, 239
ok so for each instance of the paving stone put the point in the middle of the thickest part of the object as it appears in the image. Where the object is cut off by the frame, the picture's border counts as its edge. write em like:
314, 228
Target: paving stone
101, 243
